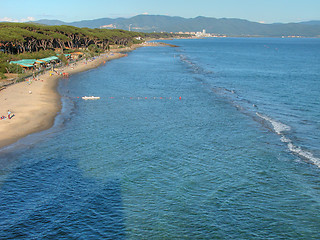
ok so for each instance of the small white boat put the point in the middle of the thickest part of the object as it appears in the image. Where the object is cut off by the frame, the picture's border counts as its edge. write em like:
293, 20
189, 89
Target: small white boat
90, 98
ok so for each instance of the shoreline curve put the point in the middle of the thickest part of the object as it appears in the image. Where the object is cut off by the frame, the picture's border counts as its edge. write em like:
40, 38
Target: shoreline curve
36, 105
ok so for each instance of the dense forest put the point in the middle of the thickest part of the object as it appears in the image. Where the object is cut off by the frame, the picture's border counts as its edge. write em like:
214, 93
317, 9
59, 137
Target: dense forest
18, 38
25, 40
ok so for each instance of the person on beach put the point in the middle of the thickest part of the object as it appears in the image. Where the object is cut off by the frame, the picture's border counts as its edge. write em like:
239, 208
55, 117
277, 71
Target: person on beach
10, 115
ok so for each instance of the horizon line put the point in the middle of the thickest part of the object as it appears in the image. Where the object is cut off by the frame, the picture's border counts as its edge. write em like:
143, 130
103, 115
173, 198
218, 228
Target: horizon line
32, 19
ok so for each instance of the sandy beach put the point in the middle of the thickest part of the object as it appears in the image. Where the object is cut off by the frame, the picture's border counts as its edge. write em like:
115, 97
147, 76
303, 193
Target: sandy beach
36, 104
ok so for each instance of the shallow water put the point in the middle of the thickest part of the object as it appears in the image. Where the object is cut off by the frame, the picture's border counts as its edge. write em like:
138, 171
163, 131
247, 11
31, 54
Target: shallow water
141, 163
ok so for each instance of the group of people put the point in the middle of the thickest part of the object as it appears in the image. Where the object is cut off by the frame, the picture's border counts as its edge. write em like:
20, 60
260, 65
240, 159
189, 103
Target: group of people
9, 116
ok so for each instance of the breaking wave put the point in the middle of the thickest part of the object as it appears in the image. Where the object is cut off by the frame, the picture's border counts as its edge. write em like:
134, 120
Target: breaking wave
250, 108
278, 127
281, 129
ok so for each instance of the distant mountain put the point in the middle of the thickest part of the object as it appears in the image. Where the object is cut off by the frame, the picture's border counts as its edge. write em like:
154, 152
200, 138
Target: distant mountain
97, 23
50, 22
227, 26
311, 23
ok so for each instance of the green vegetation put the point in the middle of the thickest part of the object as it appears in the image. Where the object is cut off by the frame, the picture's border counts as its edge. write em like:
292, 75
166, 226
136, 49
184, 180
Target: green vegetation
24, 40
5, 67
94, 49
63, 58
18, 38
2, 76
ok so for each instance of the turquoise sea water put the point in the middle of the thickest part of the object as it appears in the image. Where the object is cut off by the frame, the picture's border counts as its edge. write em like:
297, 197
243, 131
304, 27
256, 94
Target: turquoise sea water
237, 157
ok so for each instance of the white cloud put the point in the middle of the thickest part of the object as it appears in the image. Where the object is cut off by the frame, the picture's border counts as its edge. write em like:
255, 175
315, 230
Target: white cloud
7, 19
28, 19
145, 13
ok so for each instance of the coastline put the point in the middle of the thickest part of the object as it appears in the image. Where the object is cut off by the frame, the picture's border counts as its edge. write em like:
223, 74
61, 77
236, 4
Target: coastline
36, 105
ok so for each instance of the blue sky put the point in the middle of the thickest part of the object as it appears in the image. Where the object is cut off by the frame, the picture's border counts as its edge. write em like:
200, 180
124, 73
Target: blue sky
268, 11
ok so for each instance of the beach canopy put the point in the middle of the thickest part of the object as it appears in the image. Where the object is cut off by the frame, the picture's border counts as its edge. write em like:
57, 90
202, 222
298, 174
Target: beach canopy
25, 62
49, 59
28, 63
40, 61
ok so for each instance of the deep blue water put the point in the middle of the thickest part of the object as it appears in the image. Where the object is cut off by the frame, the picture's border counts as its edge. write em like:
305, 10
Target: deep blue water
237, 157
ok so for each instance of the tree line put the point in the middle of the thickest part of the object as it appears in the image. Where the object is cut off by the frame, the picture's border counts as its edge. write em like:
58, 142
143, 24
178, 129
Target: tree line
16, 38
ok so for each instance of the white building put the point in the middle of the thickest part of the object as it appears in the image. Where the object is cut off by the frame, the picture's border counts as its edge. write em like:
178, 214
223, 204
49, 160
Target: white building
202, 34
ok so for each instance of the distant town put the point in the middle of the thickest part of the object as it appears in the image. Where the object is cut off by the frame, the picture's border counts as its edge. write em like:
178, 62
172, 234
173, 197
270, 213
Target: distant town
200, 34
193, 34
204, 34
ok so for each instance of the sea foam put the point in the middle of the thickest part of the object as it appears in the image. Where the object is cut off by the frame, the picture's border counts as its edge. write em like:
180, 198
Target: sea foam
280, 129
